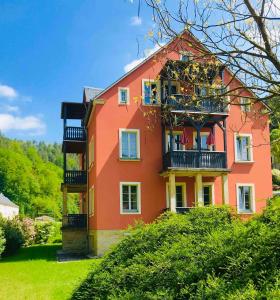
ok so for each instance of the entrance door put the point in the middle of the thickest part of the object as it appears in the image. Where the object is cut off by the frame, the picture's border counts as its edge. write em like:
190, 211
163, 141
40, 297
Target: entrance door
207, 195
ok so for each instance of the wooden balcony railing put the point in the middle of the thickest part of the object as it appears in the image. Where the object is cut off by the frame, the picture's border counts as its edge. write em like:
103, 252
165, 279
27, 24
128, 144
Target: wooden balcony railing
195, 159
183, 103
74, 134
75, 221
75, 177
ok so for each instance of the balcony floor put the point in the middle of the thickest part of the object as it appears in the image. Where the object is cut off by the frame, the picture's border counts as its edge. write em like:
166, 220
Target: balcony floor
73, 188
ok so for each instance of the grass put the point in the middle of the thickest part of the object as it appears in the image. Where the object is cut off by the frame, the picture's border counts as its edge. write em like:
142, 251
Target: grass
34, 273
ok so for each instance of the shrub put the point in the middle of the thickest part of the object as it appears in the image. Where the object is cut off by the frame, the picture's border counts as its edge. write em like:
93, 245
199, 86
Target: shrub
204, 254
276, 176
44, 231
28, 228
13, 234
55, 236
2, 242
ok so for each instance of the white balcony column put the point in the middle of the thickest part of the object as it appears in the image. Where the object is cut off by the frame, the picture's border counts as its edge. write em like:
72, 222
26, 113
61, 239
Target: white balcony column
64, 206
225, 189
172, 192
198, 190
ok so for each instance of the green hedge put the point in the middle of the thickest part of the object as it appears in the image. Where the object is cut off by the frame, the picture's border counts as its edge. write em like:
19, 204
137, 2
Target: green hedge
207, 253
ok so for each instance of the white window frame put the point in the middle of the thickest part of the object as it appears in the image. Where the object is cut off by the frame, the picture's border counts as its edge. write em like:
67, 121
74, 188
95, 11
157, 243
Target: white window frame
119, 96
203, 133
138, 184
186, 53
137, 131
166, 139
250, 148
212, 184
183, 184
91, 201
245, 108
253, 199
143, 92
91, 152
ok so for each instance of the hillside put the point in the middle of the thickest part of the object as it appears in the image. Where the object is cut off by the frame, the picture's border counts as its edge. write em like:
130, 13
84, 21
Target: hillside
207, 253
31, 174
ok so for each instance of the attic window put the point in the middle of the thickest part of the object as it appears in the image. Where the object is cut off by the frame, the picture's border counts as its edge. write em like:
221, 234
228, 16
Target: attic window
185, 56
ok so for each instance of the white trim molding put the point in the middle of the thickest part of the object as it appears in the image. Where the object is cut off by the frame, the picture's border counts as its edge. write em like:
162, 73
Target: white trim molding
138, 186
236, 160
119, 95
137, 131
252, 198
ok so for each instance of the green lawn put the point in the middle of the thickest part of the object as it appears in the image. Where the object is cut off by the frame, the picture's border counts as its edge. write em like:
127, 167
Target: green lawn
34, 273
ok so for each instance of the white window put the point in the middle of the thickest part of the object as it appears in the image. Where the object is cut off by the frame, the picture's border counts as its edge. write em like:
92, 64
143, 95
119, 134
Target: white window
129, 143
123, 95
243, 148
181, 195
91, 151
91, 200
245, 104
245, 198
177, 146
150, 92
130, 197
208, 193
203, 140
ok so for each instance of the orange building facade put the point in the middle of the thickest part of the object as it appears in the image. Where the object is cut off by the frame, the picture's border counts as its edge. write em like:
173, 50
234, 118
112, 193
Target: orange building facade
134, 166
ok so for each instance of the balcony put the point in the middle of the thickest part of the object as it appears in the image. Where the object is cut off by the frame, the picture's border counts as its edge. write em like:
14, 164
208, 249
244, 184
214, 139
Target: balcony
74, 139
194, 159
75, 221
179, 102
75, 177
74, 134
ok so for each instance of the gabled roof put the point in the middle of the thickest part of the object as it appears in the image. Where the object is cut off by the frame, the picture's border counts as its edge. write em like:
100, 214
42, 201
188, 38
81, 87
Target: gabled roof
157, 52
91, 93
6, 202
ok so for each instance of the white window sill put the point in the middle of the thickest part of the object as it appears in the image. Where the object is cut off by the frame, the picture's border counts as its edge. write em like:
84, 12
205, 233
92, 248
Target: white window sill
130, 213
245, 212
244, 161
155, 105
123, 104
129, 159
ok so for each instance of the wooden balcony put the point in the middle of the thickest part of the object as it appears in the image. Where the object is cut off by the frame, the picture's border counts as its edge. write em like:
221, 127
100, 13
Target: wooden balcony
179, 102
193, 159
74, 139
74, 221
75, 177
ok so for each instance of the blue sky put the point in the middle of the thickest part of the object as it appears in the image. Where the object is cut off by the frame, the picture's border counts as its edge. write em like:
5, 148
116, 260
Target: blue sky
51, 49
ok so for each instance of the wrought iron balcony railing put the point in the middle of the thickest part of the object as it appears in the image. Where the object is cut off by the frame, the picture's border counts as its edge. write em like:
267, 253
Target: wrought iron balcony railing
195, 159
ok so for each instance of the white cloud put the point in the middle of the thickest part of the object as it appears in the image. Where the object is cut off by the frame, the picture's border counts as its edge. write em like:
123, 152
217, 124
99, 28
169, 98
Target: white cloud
136, 62
31, 125
7, 92
135, 21
10, 108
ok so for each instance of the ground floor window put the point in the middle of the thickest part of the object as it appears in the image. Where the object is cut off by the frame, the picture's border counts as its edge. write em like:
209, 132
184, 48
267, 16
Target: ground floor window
207, 195
180, 195
130, 197
245, 198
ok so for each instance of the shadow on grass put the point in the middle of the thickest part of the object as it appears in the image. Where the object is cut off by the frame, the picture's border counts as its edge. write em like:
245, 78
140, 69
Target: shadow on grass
37, 252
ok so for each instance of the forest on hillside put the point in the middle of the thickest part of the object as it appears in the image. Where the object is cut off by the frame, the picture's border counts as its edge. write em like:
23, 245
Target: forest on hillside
31, 174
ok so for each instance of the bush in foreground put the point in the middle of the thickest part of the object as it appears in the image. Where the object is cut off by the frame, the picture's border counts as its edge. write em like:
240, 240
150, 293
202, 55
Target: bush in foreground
13, 234
205, 254
2, 242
